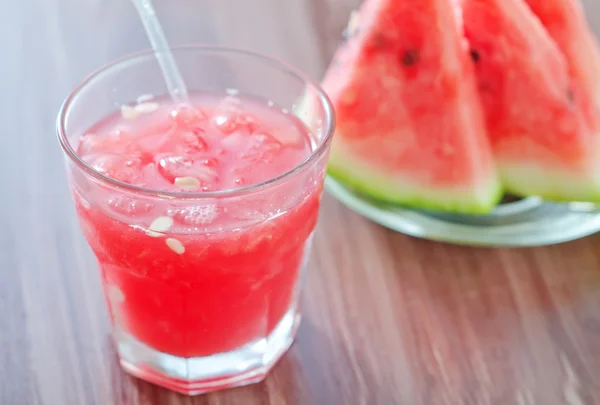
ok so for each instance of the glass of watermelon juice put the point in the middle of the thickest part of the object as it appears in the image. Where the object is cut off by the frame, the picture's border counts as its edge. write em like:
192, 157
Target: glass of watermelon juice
200, 214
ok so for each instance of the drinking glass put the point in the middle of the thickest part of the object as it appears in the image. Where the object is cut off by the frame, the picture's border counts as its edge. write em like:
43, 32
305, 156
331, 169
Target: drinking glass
214, 305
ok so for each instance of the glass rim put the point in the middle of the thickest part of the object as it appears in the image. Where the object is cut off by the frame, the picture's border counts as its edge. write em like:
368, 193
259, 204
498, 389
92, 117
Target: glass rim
321, 148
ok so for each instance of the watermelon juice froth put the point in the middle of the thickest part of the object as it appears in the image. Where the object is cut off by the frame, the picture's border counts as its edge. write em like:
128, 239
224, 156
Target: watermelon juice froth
195, 280
200, 214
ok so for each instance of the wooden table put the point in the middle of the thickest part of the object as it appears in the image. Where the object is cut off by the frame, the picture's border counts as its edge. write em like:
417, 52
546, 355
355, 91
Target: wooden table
388, 319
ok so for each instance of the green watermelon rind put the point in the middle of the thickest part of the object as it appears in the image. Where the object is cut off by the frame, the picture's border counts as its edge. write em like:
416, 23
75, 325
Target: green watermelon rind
383, 188
551, 185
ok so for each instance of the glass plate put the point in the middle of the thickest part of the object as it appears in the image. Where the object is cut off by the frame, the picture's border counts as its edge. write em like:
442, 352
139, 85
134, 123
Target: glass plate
526, 222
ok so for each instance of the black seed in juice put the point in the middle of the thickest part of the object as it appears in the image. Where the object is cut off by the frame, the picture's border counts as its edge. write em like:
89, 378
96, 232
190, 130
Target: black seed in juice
410, 58
475, 55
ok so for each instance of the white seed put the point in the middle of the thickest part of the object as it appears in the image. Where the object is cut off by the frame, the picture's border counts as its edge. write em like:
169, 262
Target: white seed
143, 98
188, 182
175, 245
160, 224
128, 112
146, 108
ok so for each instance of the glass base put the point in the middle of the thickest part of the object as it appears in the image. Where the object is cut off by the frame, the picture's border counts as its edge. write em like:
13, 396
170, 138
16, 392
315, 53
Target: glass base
524, 222
196, 375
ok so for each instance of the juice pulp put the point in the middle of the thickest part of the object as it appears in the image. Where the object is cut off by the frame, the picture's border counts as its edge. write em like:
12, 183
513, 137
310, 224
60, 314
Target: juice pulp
194, 278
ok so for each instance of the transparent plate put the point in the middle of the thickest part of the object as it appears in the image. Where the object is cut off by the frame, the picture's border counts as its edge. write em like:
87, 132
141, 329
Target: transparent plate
525, 222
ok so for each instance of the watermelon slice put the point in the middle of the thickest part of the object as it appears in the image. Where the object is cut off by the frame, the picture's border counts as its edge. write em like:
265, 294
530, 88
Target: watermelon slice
540, 116
566, 23
410, 127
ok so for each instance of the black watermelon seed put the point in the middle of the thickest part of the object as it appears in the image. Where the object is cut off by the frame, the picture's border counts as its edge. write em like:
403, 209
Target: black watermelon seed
410, 58
475, 55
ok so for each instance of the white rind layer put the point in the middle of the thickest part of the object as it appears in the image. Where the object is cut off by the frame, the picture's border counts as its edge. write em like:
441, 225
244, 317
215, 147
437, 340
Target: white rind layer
399, 189
528, 179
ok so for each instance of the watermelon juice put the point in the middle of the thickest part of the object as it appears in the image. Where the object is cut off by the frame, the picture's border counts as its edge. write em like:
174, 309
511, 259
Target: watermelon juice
200, 216
182, 289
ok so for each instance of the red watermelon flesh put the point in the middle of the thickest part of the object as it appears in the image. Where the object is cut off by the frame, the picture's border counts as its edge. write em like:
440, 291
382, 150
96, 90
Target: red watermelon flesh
566, 23
410, 127
537, 112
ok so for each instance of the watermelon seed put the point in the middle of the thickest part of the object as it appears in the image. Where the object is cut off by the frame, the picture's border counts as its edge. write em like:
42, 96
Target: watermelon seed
410, 58
175, 245
146, 107
160, 224
475, 55
187, 182
570, 96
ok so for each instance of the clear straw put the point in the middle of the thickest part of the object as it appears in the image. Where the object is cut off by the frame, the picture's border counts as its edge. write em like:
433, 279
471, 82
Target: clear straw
156, 36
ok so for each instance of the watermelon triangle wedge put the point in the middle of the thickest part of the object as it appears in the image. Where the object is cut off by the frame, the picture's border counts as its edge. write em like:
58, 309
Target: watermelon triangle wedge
566, 23
539, 81
410, 126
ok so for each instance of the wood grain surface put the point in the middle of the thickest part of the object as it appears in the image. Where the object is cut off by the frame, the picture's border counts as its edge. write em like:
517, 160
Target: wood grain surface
388, 319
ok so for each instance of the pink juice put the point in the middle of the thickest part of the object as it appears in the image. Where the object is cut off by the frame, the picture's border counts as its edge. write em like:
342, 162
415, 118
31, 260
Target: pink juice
194, 278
